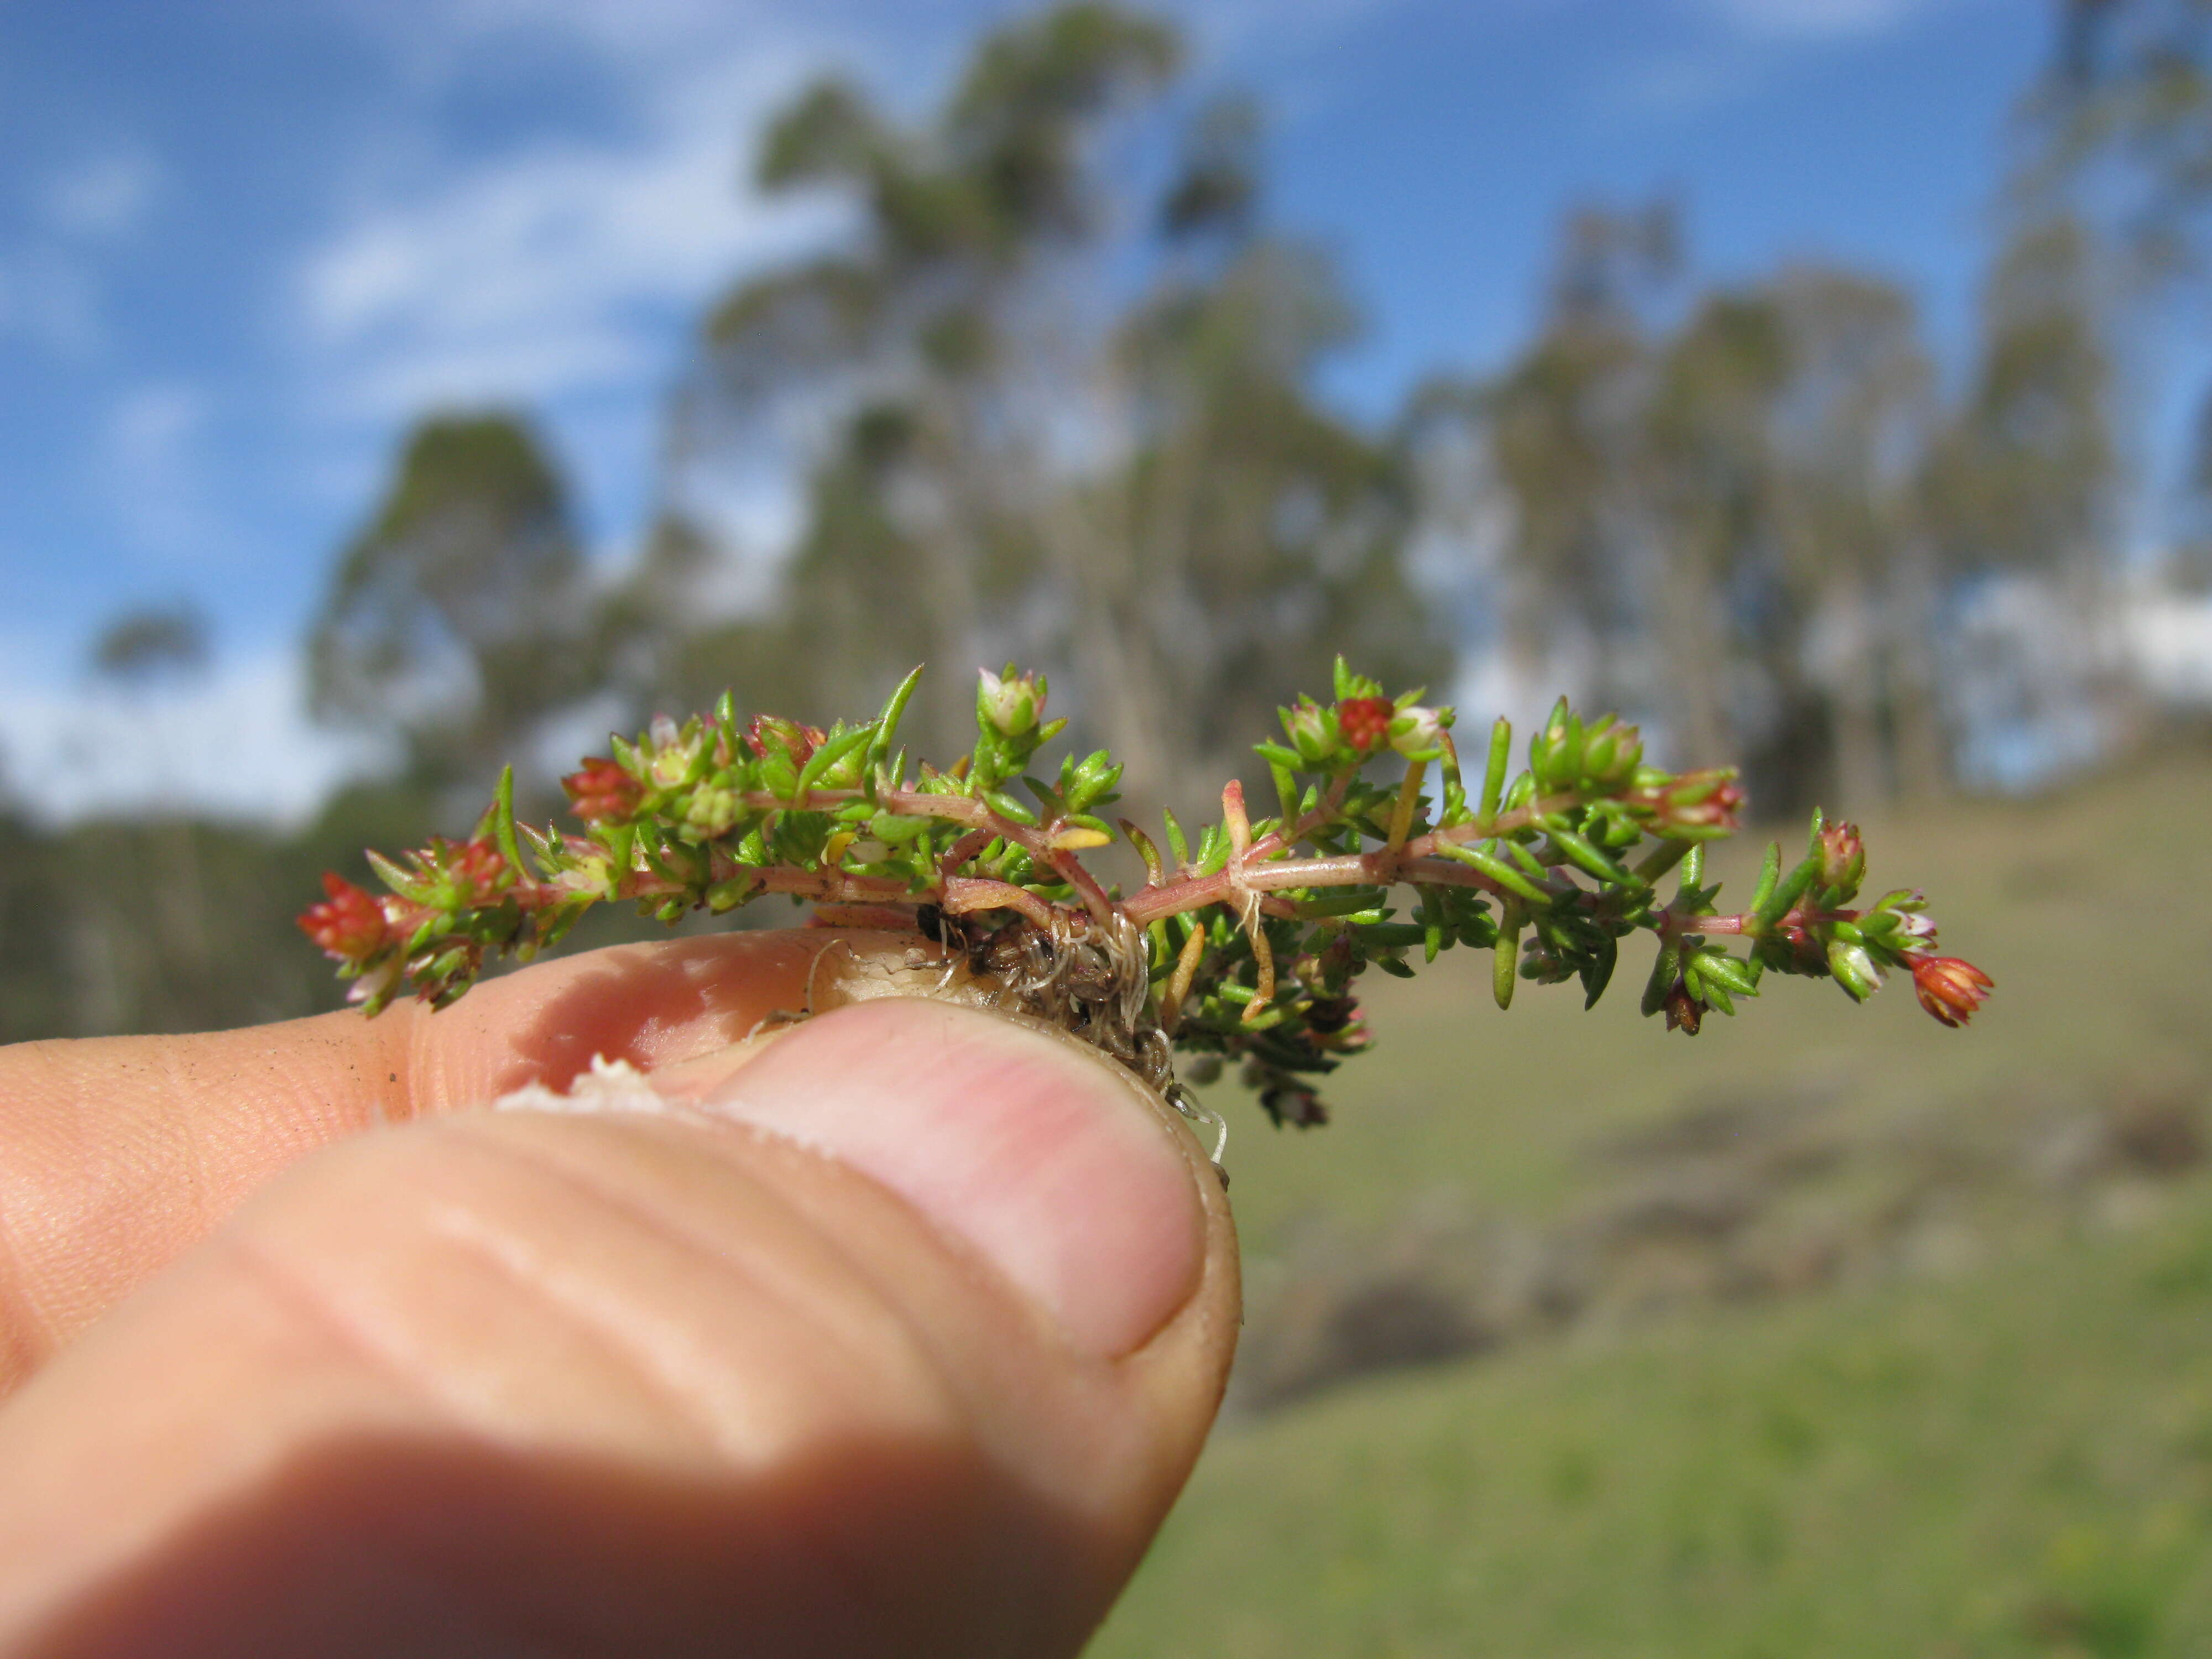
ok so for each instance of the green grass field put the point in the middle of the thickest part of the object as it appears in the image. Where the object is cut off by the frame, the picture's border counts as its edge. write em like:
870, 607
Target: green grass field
2011, 1455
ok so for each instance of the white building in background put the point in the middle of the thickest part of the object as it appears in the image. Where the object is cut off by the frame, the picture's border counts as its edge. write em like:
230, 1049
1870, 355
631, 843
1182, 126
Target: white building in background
2044, 680
2167, 636
2030, 673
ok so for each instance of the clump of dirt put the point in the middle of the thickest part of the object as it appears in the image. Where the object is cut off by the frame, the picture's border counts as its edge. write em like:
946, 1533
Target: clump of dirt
1090, 979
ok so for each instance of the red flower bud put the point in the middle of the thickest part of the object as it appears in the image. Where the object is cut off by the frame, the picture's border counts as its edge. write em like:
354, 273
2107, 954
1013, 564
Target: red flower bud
602, 791
480, 870
1365, 721
773, 732
348, 925
1949, 988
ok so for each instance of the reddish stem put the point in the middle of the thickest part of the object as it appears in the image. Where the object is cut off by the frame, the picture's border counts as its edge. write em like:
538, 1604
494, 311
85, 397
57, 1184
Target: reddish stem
966, 893
1035, 840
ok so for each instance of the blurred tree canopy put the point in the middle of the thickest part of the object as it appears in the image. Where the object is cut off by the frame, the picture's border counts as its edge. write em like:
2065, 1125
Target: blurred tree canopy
1711, 508
148, 645
1046, 408
455, 620
2119, 168
1049, 398
1051, 395
2025, 473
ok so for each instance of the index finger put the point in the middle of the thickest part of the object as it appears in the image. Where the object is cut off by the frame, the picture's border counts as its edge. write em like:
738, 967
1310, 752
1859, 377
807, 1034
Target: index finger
118, 1153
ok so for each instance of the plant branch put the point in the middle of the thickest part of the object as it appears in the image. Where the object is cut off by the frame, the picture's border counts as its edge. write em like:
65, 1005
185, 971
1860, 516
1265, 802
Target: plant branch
1549, 869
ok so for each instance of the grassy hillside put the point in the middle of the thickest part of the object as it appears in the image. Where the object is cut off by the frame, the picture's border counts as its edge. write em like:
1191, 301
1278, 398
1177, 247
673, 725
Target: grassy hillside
2087, 910
2017, 1464
1991, 1432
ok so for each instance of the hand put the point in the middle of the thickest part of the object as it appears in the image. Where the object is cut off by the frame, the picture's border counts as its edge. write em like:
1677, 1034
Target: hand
897, 1335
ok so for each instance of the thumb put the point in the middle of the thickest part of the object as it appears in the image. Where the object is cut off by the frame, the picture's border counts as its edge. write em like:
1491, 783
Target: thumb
898, 1339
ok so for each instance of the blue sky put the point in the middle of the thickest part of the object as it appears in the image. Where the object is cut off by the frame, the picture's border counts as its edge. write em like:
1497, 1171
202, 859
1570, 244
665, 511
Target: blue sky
241, 241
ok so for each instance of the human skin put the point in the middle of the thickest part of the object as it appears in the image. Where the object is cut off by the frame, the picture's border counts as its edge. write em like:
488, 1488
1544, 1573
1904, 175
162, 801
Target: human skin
896, 1334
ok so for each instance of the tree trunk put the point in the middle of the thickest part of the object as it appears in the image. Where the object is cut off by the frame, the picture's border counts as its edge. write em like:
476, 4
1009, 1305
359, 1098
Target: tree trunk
1862, 779
1923, 735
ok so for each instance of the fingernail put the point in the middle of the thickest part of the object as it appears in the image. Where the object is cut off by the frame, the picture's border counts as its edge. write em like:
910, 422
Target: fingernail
1055, 1166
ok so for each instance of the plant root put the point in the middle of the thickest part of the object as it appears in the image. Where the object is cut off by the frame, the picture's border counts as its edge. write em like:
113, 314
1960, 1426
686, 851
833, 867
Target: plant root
1087, 977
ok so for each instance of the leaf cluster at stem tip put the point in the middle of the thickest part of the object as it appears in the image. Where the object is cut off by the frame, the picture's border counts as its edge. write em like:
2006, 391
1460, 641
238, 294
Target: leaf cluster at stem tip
1381, 850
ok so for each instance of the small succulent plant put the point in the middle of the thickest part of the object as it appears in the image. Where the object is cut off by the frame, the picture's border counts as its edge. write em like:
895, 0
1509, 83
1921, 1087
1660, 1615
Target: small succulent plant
1244, 943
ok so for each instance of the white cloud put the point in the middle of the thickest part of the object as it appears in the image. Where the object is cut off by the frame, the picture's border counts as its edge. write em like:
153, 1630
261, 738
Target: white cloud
105, 196
152, 471
152, 424
1819, 19
237, 744
1744, 43
556, 269
438, 41
1234, 28
50, 283
1679, 83
633, 28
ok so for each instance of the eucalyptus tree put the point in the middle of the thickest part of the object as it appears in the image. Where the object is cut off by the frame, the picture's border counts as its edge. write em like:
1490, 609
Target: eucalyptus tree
2124, 117
1634, 444
1703, 473
2025, 478
1045, 404
899, 357
1782, 443
455, 620
1852, 430
1563, 429
1250, 534
1716, 494
117, 945
146, 647
2026, 485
